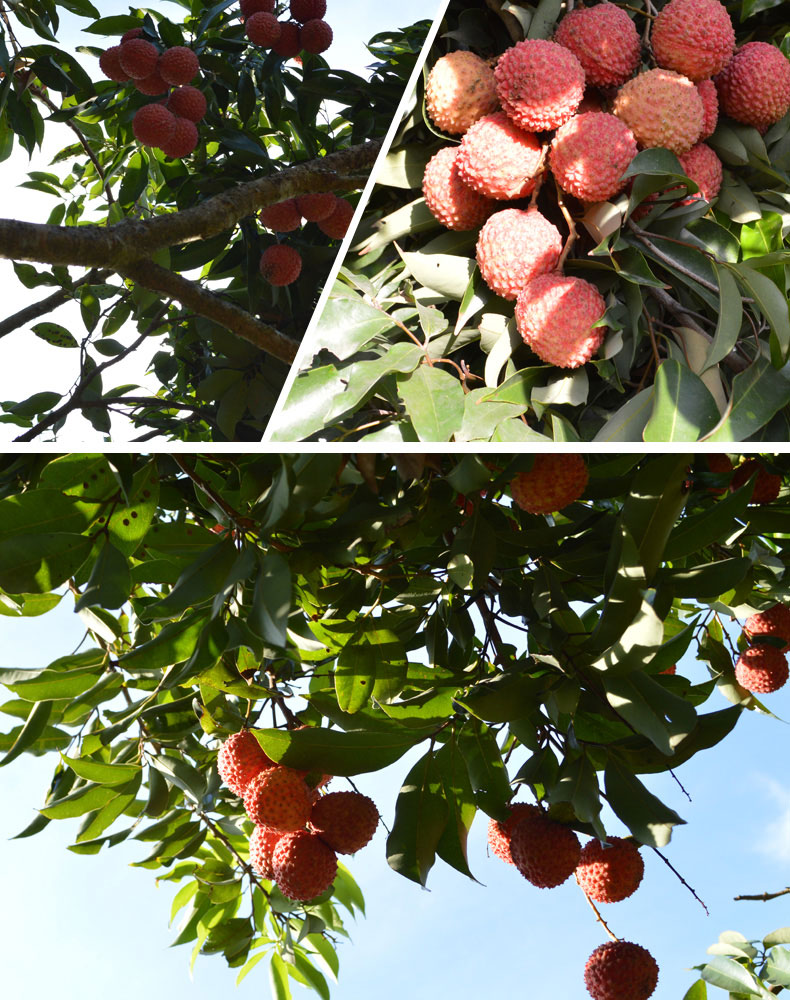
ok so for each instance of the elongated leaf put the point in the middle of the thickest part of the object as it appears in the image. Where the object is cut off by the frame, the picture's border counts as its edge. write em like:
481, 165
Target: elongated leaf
646, 816
36, 564
333, 752
109, 583
460, 798
434, 402
421, 815
683, 408
757, 394
101, 773
486, 768
32, 729
271, 603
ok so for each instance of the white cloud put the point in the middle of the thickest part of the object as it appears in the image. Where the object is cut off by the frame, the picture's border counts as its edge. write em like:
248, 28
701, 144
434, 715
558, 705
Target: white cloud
775, 838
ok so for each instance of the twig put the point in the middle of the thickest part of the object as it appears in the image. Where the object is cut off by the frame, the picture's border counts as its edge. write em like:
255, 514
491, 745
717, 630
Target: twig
600, 919
765, 896
51, 302
682, 880
211, 493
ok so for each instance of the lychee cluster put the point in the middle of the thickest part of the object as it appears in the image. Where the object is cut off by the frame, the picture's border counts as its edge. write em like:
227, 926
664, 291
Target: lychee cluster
762, 667
299, 830
168, 124
545, 852
281, 264
304, 31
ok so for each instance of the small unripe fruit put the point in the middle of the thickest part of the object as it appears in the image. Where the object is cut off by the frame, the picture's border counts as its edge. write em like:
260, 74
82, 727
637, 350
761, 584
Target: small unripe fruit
138, 58
281, 265
315, 36
546, 853
183, 141
315, 207
552, 483
345, 820
178, 65
278, 798
282, 217
620, 970
187, 102
263, 29
761, 669
287, 45
153, 124
110, 64
609, 874
304, 866
336, 225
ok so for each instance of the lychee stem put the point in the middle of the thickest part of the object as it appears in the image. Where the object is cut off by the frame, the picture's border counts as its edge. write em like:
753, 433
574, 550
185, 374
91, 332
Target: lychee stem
601, 920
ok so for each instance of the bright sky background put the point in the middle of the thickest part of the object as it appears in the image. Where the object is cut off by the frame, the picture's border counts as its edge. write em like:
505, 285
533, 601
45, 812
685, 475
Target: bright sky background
27, 363
75, 922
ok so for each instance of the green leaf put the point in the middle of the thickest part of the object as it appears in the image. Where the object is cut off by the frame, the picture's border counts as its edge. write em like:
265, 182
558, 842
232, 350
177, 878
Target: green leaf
683, 408
181, 774
55, 334
333, 752
101, 773
41, 511
278, 977
434, 402
271, 604
779, 936
199, 582
691, 534
32, 729
486, 768
174, 643
460, 798
757, 394
129, 522
347, 324
577, 783
109, 583
730, 975
38, 563
699, 991
421, 814
52, 685
648, 819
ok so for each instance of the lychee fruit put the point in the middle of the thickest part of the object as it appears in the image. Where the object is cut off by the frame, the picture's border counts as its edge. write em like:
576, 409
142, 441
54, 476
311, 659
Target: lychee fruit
303, 865
710, 107
262, 29
515, 246
766, 484
183, 140
316, 206
459, 90
693, 37
131, 33
754, 86
153, 124
450, 201
609, 874
250, 7
278, 797
152, 85
605, 41
556, 316
280, 265
620, 970
239, 759
282, 217
590, 154
761, 669
546, 853
701, 165
498, 159
287, 45
263, 841
178, 65
775, 622
335, 226
110, 64
138, 58
345, 820
662, 108
187, 102
540, 84
553, 482
499, 833
315, 36
307, 10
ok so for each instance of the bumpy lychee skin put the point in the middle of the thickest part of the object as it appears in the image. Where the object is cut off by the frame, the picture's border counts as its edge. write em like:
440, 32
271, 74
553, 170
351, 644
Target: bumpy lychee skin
131, 33
316, 206
620, 970
282, 217
766, 484
250, 7
187, 102
110, 64
153, 124
345, 820
605, 41
553, 482
497, 159
240, 759
556, 316
138, 58
499, 834
590, 154
281, 265
183, 141
262, 29
514, 247
546, 853
609, 874
540, 84
662, 108
178, 65
263, 841
315, 36
278, 797
304, 866
335, 226
710, 107
307, 10
287, 45
152, 85
693, 37
460, 89
450, 201
761, 669
701, 165
754, 86
774, 622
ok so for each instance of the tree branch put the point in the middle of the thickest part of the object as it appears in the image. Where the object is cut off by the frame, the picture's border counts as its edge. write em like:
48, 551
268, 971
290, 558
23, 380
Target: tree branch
763, 897
45, 306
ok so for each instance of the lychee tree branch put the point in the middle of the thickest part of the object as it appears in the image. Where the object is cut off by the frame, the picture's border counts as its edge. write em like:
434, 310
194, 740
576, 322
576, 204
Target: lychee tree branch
51, 302
763, 897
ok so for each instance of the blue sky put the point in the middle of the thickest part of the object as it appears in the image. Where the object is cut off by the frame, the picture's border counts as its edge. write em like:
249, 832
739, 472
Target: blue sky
78, 924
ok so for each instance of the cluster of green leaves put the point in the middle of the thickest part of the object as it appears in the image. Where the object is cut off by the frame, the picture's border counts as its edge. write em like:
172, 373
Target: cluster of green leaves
427, 352
362, 601
263, 113
744, 968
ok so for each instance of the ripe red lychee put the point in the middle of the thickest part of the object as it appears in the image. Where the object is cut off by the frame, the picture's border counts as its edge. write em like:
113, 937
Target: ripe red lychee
153, 124
775, 621
540, 84
307, 10
590, 153
710, 107
497, 159
459, 90
693, 37
499, 834
450, 201
282, 217
178, 65
131, 33
304, 866
110, 64
187, 102
605, 41
288, 45
315, 36
609, 874
552, 483
514, 247
754, 86
701, 165
546, 853
263, 841
335, 226
766, 484
620, 970
662, 108
183, 141
239, 759
316, 206
345, 820
250, 7
280, 265
263, 29
278, 797
556, 316
138, 58
152, 85
761, 669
